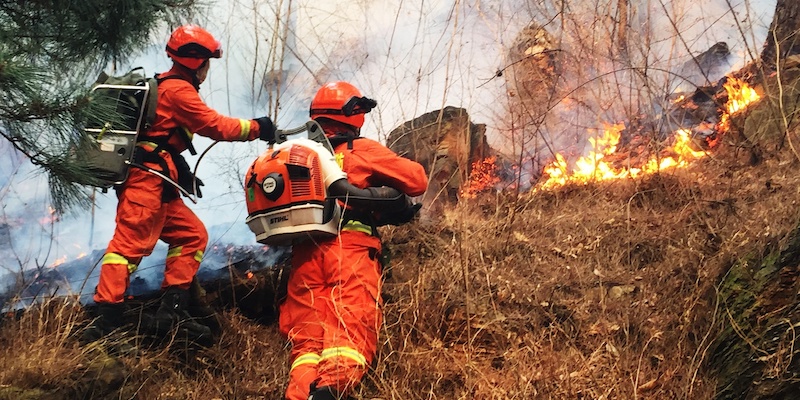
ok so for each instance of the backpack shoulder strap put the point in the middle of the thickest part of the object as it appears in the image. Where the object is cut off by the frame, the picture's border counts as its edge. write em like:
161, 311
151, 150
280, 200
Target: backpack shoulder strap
152, 102
338, 139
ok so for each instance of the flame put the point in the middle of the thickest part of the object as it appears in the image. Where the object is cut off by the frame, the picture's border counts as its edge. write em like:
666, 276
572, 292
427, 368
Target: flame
58, 262
483, 176
590, 167
593, 166
740, 95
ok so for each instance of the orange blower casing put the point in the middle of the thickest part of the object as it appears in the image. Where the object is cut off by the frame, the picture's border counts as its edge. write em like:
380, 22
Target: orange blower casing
287, 198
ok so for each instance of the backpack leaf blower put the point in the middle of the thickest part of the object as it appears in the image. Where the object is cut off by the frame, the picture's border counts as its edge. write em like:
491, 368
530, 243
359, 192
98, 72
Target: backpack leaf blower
296, 190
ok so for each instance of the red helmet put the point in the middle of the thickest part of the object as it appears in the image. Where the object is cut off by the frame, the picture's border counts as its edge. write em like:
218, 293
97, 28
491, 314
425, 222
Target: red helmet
341, 101
191, 46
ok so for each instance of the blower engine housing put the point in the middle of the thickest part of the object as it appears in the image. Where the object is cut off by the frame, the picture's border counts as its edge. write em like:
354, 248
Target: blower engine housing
286, 193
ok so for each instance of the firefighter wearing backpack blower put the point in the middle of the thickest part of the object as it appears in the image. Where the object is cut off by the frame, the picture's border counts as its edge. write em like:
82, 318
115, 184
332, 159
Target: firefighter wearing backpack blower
332, 311
150, 209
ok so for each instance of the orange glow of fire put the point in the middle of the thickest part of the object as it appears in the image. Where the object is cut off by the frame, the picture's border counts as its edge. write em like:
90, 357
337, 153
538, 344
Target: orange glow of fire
58, 262
740, 95
482, 177
593, 167
52, 217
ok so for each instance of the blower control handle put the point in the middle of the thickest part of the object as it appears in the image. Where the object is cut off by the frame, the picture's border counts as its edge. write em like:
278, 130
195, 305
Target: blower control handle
314, 130
380, 198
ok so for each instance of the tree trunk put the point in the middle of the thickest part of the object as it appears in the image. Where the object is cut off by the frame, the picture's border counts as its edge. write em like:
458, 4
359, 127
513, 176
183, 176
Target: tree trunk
755, 355
784, 33
622, 28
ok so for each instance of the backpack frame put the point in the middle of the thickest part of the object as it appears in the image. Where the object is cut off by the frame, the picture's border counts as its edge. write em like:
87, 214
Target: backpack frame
111, 144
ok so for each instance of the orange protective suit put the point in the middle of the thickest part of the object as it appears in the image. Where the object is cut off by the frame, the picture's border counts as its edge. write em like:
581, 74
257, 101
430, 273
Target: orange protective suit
145, 213
333, 309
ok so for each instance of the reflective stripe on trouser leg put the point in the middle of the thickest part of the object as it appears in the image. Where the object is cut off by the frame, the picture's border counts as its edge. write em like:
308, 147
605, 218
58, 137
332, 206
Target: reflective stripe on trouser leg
187, 239
301, 374
352, 309
114, 278
344, 352
300, 322
179, 256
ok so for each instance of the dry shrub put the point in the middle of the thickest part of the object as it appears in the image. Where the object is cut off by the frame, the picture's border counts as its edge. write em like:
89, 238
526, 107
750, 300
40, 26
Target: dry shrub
605, 290
39, 350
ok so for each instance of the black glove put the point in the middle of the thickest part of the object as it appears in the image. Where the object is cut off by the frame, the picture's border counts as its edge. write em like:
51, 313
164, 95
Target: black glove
192, 184
266, 129
401, 217
195, 189
186, 178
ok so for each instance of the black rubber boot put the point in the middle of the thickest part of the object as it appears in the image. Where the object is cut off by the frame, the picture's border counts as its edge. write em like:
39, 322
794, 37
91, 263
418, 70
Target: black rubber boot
104, 329
173, 317
110, 317
324, 393
200, 309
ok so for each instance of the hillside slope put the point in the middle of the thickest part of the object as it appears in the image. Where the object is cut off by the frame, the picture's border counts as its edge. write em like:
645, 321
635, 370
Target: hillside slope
600, 291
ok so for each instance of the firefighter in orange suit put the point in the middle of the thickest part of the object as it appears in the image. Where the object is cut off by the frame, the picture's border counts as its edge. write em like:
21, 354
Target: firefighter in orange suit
333, 309
149, 208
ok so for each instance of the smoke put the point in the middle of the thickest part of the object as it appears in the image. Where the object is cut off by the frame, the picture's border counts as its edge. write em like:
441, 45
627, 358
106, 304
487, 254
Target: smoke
77, 278
413, 58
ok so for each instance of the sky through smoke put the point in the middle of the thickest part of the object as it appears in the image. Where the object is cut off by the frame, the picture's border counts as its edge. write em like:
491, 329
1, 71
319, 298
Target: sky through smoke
412, 58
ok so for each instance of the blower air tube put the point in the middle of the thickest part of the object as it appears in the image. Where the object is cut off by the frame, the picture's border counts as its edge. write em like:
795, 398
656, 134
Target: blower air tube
380, 198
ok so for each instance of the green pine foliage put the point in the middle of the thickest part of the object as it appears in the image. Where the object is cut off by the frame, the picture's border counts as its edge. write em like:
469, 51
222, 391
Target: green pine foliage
50, 51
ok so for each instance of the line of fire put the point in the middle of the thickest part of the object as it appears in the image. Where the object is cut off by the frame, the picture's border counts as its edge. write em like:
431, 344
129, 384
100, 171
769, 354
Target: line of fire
461, 165
249, 277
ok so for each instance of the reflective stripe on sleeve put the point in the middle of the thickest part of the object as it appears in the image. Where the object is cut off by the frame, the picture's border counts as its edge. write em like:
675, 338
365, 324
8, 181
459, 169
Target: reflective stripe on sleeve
198, 255
358, 226
245, 129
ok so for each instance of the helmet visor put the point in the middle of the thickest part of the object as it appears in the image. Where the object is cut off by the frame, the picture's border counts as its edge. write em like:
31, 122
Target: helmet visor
195, 50
354, 106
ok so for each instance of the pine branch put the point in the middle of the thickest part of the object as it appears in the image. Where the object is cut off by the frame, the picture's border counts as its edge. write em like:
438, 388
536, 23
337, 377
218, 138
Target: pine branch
49, 50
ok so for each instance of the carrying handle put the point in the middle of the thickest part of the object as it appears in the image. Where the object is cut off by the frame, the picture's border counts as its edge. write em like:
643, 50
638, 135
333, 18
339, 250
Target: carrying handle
314, 130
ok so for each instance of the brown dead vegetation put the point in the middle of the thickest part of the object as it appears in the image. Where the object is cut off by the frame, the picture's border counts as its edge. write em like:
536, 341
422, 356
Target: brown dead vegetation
598, 291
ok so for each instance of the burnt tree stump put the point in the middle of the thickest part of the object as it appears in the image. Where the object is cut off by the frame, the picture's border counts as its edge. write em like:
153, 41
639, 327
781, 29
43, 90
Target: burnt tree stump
446, 143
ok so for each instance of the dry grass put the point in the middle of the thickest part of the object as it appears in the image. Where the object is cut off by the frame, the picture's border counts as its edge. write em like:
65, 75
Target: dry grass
603, 291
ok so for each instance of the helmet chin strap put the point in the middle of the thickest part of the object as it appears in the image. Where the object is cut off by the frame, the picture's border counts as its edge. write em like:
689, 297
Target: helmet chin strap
192, 73
334, 127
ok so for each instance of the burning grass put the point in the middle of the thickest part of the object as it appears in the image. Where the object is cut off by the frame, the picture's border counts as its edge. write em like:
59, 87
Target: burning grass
604, 290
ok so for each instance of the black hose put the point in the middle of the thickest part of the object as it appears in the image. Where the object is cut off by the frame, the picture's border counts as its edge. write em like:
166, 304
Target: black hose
380, 198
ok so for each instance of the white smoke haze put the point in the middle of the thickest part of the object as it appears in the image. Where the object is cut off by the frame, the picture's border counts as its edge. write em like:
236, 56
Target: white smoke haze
412, 57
